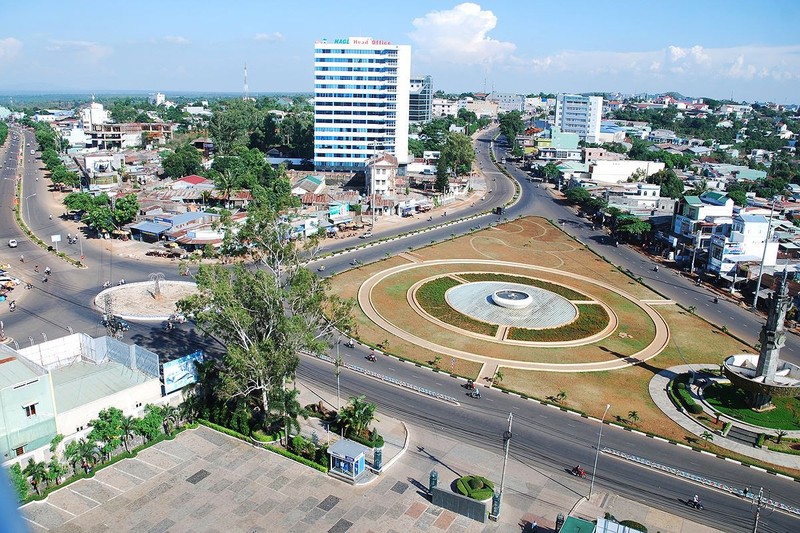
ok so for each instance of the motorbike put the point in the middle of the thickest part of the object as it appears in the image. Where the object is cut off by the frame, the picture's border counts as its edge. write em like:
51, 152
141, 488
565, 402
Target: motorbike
474, 393
350, 344
580, 472
47, 271
470, 384
321, 268
695, 504
371, 357
107, 284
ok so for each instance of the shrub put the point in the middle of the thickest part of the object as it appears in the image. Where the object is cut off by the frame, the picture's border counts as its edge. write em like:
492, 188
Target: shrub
760, 439
634, 525
475, 487
695, 409
680, 385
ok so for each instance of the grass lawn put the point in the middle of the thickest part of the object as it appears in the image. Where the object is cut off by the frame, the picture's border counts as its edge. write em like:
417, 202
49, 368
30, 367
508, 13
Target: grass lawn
731, 400
592, 318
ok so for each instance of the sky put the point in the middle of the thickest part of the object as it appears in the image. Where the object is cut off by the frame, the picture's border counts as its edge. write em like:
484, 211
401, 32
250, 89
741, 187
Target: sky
744, 50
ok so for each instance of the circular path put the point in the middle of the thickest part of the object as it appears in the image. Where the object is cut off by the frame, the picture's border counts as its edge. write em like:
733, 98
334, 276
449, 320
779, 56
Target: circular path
659, 342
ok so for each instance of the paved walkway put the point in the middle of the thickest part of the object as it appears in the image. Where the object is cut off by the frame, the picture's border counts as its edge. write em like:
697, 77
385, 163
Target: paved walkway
204, 481
658, 392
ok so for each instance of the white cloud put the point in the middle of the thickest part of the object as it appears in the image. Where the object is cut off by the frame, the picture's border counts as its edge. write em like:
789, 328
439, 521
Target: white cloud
86, 49
9, 48
459, 35
275, 37
774, 62
176, 39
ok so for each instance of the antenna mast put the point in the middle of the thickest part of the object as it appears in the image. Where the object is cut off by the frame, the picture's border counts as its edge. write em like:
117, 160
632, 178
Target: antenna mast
246, 95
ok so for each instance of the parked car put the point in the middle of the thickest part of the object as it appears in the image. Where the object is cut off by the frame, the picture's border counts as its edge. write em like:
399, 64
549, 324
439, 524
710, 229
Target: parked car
5, 279
12, 243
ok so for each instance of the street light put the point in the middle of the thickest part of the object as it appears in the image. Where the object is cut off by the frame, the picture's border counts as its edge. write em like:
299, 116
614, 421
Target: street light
28, 206
497, 498
597, 451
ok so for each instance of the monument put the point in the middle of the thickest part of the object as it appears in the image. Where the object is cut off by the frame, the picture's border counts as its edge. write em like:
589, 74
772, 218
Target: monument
766, 375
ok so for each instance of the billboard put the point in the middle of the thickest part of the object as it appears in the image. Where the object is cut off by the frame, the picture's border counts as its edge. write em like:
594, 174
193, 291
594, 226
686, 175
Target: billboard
181, 371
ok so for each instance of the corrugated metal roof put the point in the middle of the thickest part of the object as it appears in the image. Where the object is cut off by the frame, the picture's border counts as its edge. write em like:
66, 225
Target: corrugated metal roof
12, 372
82, 382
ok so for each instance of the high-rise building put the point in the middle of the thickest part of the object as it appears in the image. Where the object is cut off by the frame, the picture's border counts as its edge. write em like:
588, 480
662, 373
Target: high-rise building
361, 93
580, 114
420, 100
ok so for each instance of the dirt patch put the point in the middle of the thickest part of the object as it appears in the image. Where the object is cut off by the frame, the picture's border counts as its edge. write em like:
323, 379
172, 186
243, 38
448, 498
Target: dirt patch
139, 299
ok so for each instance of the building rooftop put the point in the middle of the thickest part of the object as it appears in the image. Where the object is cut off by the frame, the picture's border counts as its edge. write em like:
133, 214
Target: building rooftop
13, 372
84, 382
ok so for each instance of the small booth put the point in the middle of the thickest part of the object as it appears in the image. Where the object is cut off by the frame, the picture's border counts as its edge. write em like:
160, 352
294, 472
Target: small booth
347, 459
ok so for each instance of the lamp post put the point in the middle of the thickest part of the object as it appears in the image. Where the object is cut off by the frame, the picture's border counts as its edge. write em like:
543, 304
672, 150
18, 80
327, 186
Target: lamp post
28, 207
763, 255
597, 451
497, 498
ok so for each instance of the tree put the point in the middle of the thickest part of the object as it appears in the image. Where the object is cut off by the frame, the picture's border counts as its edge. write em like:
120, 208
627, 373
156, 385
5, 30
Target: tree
127, 429
101, 219
171, 416
633, 416
80, 201
62, 177
633, 227
561, 396
577, 195
779, 435
106, 430
739, 197
72, 455
55, 471
231, 124
19, 481
184, 161
416, 147
149, 427
456, 155
357, 415
498, 376
550, 171
125, 209
264, 316
511, 125
707, 437
37, 472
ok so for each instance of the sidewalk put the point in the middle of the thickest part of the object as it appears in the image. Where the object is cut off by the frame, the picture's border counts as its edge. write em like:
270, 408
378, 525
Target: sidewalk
529, 496
658, 387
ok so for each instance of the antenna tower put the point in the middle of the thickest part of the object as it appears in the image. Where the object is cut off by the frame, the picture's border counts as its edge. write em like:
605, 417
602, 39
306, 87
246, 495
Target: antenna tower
246, 91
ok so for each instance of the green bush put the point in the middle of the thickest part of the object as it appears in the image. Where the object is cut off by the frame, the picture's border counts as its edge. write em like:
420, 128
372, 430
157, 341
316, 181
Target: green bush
592, 318
760, 439
634, 525
695, 409
680, 385
475, 487
224, 430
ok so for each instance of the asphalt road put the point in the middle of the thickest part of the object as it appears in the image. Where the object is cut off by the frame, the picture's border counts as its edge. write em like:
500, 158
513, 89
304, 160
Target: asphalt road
543, 438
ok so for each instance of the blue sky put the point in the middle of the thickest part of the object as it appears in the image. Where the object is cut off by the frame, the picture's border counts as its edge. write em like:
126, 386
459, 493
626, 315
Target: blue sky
745, 50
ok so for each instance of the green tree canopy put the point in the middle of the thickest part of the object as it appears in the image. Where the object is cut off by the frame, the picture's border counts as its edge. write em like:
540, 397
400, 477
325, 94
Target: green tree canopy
184, 161
456, 155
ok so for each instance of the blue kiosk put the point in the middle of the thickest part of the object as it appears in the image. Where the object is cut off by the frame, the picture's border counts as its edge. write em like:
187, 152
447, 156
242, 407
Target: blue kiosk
347, 459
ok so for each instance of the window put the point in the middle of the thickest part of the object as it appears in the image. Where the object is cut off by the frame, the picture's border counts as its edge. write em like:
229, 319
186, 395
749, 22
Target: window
30, 410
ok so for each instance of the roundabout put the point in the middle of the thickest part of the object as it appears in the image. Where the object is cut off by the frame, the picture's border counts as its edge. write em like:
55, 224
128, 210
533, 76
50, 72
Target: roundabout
142, 301
457, 315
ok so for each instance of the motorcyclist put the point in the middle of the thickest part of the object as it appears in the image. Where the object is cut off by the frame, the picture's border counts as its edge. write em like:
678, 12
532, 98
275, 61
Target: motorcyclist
696, 500
47, 271
107, 284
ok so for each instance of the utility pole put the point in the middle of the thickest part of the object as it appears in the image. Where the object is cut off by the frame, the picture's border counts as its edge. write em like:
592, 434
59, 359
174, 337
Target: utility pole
763, 256
496, 499
338, 364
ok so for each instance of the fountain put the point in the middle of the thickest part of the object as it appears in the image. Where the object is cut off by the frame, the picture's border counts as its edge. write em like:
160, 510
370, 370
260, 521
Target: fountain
512, 299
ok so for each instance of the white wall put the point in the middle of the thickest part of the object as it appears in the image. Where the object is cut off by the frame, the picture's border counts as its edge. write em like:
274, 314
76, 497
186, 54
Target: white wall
620, 171
144, 393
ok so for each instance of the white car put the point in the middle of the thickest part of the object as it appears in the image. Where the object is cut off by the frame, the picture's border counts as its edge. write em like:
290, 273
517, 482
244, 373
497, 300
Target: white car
367, 235
5, 278
12, 243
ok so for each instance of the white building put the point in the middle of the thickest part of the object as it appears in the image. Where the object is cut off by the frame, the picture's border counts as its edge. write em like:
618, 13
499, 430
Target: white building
620, 171
381, 175
507, 102
157, 99
361, 101
746, 242
442, 107
580, 114
93, 115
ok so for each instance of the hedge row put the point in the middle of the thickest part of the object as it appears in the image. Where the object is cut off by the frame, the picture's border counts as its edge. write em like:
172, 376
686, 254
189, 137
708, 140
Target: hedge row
685, 399
592, 319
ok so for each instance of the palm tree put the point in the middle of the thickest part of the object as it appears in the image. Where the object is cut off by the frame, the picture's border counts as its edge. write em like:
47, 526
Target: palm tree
357, 415
561, 396
633, 416
55, 471
37, 472
707, 437
127, 429
498, 376
72, 455
87, 453
171, 416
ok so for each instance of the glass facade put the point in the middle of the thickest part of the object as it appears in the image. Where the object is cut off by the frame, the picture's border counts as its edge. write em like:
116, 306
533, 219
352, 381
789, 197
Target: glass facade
358, 110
